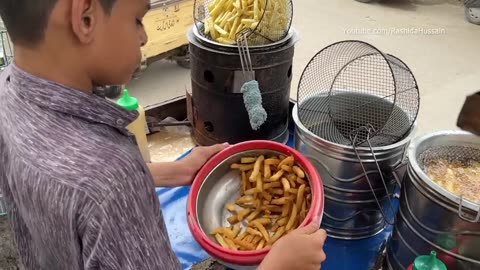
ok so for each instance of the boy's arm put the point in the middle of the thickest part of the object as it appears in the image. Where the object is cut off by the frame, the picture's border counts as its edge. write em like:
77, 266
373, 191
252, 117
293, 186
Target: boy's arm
171, 174
182, 173
126, 232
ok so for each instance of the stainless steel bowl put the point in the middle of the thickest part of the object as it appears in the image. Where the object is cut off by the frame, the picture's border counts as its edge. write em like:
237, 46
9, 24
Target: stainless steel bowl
222, 186
217, 184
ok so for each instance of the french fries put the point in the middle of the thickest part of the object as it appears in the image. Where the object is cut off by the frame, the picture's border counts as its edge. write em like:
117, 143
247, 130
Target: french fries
272, 161
277, 235
253, 215
229, 17
260, 245
267, 172
300, 198
243, 167
286, 185
292, 180
251, 191
244, 199
281, 201
275, 199
233, 220
263, 221
263, 231
277, 176
236, 230
286, 168
272, 185
230, 207
259, 183
243, 184
283, 221
231, 244
256, 168
276, 191
243, 213
301, 181
285, 210
248, 160
299, 172
257, 239
221, 240
253, 231
241, 236
224, 231
287, 161
243, 244
293, 216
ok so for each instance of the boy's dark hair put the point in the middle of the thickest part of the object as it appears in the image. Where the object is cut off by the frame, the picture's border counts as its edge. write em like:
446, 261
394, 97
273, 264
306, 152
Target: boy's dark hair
26, 20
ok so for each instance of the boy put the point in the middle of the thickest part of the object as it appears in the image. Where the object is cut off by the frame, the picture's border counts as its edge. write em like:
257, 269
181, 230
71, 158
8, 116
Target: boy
79, 194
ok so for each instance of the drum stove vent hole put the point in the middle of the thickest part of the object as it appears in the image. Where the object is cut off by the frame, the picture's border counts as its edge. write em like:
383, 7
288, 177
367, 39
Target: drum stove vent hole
208, 126
289, 74
208, 76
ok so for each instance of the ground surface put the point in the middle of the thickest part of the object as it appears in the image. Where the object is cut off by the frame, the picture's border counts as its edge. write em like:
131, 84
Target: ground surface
8, 256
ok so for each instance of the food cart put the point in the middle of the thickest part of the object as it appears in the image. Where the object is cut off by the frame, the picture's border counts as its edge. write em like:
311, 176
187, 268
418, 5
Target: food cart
166, 25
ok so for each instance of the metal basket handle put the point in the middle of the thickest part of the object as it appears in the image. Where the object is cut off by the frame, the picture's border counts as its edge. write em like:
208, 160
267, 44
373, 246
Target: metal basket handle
395, 172
354, 138
464, 216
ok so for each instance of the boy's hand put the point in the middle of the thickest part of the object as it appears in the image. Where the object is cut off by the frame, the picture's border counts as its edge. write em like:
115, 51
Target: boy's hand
301, 249
182, 173
197, 158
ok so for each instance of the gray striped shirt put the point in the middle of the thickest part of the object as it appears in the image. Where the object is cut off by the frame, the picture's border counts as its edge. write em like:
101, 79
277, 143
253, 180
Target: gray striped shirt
78, 192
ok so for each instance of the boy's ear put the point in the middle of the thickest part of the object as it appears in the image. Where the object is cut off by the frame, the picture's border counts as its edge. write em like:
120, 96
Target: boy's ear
83, 19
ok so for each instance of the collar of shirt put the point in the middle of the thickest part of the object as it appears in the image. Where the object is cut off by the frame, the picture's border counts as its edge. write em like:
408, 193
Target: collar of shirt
57, 97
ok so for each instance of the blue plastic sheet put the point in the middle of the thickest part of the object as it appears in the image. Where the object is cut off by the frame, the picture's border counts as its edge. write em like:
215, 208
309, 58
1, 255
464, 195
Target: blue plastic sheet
341, 254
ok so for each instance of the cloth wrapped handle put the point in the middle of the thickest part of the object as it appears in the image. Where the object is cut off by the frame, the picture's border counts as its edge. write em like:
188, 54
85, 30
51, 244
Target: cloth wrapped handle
252, 97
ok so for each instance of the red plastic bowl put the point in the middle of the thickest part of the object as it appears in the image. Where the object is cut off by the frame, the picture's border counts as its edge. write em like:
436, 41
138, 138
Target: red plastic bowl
249, 257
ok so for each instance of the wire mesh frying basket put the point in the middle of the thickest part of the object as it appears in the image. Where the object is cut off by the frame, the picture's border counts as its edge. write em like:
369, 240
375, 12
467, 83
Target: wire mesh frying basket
440, 158
465, 156
221, 20
351, 92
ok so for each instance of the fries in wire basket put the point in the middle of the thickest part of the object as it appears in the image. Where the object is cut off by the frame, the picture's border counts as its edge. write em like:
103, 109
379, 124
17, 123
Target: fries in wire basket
229, 17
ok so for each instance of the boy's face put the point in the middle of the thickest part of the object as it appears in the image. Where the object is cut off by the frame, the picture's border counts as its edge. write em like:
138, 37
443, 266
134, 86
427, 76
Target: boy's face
114, 51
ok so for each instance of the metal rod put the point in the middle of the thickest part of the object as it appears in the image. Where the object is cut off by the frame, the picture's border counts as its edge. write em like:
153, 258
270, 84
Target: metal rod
369, 182
171, 124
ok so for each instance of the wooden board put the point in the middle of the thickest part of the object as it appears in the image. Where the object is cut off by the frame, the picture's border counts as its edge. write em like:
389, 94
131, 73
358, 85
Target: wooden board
167, 25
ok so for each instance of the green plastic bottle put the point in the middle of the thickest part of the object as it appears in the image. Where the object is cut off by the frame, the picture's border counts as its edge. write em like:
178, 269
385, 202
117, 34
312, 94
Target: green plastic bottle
429, 262
137, 127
